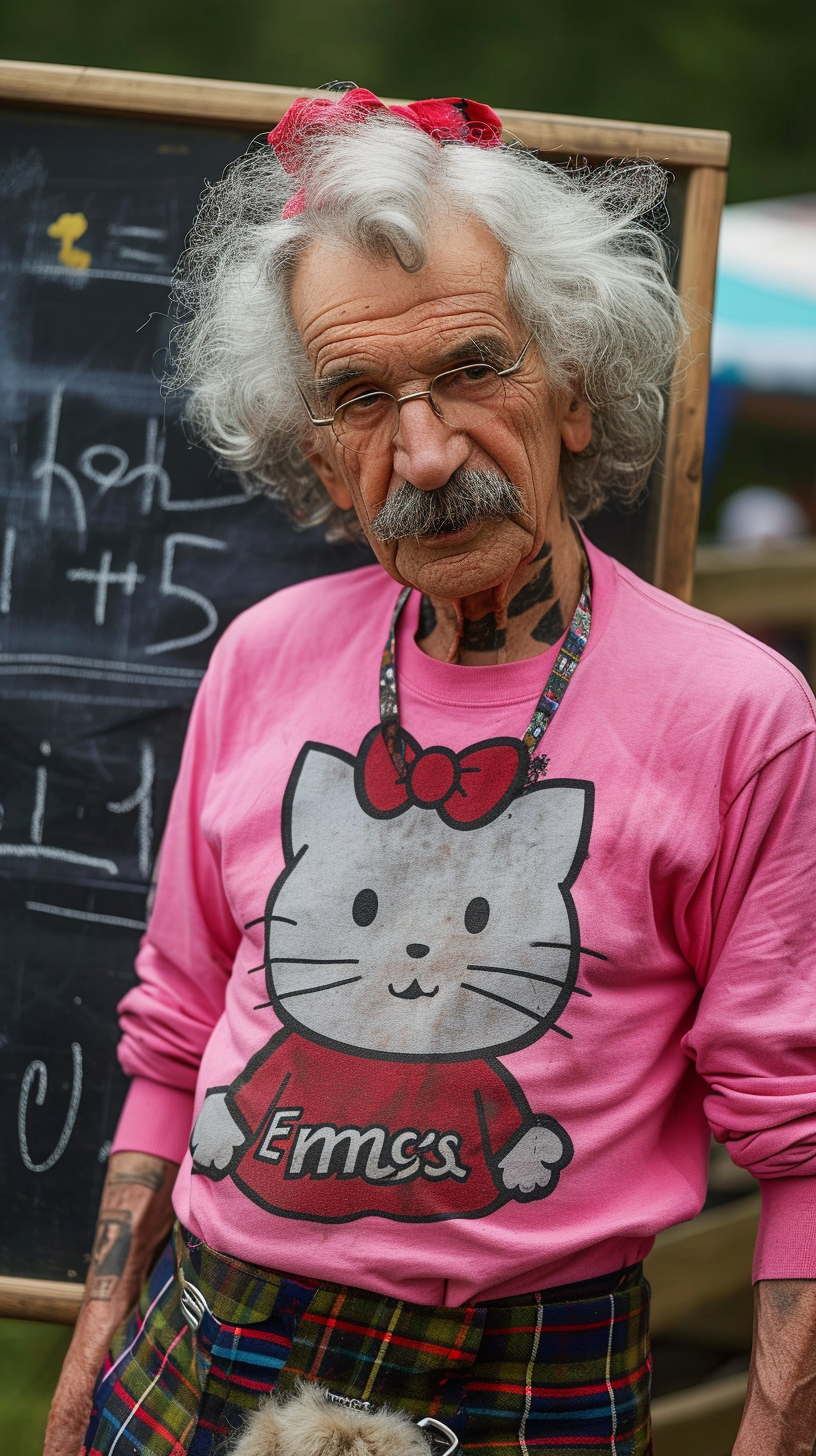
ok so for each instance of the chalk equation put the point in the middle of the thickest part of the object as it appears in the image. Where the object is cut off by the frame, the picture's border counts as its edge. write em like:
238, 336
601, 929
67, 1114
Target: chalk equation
70, 497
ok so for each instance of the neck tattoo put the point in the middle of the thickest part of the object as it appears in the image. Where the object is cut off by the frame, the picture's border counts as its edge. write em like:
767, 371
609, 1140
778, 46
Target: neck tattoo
488, 633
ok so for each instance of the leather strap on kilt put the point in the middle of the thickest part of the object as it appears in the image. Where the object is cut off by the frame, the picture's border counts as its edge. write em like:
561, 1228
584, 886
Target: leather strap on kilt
212, 1336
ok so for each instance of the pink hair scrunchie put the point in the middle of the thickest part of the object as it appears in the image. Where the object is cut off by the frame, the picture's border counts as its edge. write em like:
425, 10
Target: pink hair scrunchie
450, 119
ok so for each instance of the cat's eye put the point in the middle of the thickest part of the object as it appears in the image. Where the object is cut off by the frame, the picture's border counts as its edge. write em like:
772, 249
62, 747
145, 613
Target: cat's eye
365, 907
477, 915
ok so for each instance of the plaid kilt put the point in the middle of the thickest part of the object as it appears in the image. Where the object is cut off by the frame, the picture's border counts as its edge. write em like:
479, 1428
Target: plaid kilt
567, 1376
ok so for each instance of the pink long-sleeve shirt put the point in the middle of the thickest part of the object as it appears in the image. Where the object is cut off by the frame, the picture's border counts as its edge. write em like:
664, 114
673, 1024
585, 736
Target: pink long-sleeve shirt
453, 1063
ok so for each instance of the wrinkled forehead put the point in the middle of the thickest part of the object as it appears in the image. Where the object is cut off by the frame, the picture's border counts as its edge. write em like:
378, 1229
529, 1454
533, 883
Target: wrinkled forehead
351, 308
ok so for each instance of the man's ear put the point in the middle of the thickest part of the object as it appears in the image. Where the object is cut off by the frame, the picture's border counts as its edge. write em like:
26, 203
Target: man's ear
576, 424
326, 469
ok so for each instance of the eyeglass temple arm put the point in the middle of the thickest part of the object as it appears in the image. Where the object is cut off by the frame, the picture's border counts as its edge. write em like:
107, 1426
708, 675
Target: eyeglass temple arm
513, 367
308, 408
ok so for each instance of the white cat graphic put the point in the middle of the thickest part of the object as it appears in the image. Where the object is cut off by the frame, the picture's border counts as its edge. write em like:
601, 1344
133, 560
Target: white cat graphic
406, 951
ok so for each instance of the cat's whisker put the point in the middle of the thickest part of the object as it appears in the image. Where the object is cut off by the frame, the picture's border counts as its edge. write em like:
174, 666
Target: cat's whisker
253, 969
565, 945
514, 1005
529, 976
327, 986
261, 919
311, 961
526, 975
503, 1001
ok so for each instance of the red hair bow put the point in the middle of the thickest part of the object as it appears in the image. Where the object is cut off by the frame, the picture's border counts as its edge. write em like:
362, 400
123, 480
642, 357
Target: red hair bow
467, 789
451, 119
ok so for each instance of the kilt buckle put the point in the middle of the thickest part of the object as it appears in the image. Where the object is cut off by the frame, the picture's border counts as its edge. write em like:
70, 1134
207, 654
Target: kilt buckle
437, 1430
193, 1304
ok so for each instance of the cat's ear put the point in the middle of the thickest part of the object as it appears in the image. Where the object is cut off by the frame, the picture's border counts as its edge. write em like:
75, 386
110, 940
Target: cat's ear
319, 796
558, 817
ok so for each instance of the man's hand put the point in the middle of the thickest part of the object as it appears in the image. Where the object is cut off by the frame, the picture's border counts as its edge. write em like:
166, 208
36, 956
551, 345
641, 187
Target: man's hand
780, 1410
135, 1217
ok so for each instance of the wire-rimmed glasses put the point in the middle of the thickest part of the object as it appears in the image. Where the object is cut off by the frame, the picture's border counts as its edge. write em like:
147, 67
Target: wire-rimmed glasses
460, 397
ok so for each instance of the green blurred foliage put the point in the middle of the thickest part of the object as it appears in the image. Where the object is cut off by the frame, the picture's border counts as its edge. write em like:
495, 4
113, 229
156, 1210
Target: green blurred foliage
747, 66
30, 1359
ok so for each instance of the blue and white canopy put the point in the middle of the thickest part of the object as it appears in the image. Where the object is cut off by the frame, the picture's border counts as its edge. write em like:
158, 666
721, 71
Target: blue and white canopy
764, 335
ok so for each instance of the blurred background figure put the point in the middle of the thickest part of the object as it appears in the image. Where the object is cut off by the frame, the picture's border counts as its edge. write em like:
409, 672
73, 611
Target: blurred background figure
760, 515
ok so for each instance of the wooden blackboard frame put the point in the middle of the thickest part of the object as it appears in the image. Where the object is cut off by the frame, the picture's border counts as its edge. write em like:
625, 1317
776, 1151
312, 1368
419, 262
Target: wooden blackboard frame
701, 157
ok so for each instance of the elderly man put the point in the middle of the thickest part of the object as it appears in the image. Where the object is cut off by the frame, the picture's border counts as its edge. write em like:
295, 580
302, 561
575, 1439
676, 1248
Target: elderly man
487, 887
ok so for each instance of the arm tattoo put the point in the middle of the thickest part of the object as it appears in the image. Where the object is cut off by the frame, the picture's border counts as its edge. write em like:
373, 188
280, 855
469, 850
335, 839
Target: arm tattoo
110, 1252
783, 1295
151, 1178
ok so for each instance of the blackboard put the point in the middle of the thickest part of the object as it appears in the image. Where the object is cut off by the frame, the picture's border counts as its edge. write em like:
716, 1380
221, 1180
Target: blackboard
124, 554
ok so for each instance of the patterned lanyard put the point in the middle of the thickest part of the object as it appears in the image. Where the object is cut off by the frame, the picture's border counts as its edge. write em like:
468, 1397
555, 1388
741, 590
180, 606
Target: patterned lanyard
569, 655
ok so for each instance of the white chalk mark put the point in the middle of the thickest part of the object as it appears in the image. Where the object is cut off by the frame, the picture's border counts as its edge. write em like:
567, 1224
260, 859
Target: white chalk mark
141, 799
35, 1071
159, 235
104, 578
154, 473
97, 667
103, 702
90, 915
105, 479
65, 856
112, 275
38, 812
169, 588
133, 679
153, 468
151, 472
139, 255
47, 470
9, 543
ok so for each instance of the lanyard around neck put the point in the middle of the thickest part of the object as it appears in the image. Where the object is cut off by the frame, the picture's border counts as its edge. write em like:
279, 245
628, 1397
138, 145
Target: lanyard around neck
567, 659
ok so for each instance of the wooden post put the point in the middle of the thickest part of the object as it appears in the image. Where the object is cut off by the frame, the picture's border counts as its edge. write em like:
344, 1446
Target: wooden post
685, 428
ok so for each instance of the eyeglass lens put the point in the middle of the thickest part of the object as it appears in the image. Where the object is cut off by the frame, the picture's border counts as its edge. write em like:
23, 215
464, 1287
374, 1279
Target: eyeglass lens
460, 397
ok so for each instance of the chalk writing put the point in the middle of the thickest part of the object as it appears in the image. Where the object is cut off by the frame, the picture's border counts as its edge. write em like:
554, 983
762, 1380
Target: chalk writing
93, 917
47, 470
141, 800
105, 578
170, 588
6, 566
36, 1072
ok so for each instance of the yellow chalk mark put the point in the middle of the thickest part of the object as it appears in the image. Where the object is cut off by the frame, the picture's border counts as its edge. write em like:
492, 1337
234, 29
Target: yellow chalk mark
68, 227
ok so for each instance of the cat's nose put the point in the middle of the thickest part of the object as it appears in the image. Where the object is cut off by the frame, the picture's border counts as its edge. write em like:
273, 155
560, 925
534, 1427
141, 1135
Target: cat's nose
417, 951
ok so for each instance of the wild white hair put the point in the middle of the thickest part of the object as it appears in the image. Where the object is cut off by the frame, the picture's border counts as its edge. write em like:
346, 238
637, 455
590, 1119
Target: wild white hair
587, 274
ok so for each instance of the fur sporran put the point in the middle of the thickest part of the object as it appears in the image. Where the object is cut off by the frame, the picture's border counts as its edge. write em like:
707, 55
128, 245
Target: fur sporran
311, 1423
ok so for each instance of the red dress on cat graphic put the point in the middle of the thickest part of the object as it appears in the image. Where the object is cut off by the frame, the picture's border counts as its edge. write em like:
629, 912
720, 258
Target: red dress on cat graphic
297, 1094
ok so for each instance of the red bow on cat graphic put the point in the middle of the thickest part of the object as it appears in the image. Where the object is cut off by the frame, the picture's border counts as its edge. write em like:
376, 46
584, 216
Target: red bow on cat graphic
451, 119
467, 789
